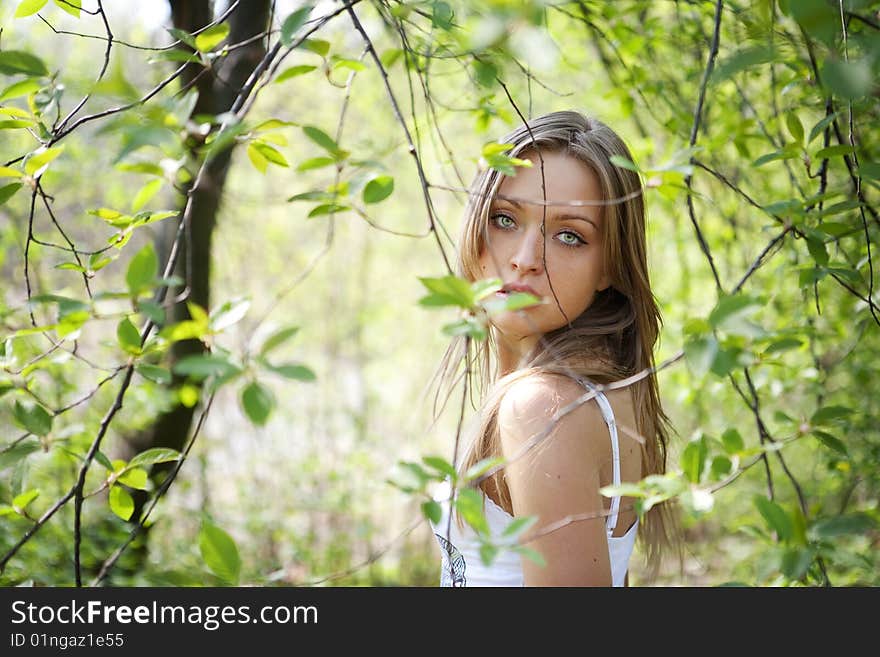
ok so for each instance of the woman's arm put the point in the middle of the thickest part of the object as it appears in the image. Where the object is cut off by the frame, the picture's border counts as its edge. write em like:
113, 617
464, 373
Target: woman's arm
557, 478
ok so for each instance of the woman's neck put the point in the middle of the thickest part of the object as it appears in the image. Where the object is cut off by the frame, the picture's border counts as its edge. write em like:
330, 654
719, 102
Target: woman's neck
511, 352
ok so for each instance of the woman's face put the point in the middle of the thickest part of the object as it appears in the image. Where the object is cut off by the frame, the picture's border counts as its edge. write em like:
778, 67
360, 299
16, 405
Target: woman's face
571, 257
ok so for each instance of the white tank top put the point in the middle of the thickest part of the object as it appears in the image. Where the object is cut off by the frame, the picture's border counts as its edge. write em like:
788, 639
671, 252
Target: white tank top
462, 564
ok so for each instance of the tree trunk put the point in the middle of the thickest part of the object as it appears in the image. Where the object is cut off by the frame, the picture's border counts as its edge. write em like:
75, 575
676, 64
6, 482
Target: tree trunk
217, 91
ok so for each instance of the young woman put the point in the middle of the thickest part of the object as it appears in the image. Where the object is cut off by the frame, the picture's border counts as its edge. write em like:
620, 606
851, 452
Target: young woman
569, 230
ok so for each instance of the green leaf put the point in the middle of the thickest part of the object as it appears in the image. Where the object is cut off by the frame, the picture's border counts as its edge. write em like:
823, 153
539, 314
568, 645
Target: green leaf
786, 153
485, 73
820, 126
219, 553
269, 153
378, 189
19, 451
775, 516
317, 46
153, 456
154, 373
181, 35
741, 60
231, 312
848, 79
101, 458
817, 250
467, 326
488, 553
315, 163
351, 64
121, 503
208, 39
33, 417
481, 467
732, 307
142, 269
510, 302
294, 71
129, 337
448, 290
72, 7
174, 55
22, 88
292, 23
292, 371
134, 478
856, 523
469, 504
21, 501
831, 441
623, 163
533, 555
441, 465
29, 7
830, 414
693, 459
327, 208
795, 127
732, 441
201, 366
17, 61
16, 124
257, 159
721, 467
833, 151
390, 56
258, 402
7, 191
278, 338
869, 169
432, 511
795, 562
700, 353
783, 345
519, 525
442, 15
325, 141
145, 194
39, 160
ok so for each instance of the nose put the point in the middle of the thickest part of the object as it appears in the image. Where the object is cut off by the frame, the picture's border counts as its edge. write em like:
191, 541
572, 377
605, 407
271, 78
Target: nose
528, 256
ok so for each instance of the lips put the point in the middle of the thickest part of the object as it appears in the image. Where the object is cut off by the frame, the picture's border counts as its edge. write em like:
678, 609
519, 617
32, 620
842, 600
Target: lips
519, 287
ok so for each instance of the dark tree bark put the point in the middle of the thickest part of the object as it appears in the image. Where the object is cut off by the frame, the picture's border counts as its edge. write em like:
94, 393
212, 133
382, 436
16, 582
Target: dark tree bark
217, 91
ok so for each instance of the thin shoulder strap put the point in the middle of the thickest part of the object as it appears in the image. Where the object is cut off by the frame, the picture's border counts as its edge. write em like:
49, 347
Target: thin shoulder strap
608, 415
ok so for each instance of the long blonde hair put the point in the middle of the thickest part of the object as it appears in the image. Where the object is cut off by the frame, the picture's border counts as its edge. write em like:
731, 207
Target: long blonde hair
612, 339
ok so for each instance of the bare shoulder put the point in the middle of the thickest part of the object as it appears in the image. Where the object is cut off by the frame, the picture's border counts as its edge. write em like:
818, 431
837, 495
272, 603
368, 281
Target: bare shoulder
546, 404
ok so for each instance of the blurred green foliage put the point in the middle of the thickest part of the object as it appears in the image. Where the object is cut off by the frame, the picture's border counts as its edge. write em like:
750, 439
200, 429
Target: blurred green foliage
319, 350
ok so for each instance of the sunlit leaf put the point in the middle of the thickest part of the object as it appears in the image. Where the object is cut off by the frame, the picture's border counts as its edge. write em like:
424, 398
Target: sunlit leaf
33, 417
213, 36
292, 23
378, 189
17, 61
121, 503
142, 269
29, 7
219, 552
153, 456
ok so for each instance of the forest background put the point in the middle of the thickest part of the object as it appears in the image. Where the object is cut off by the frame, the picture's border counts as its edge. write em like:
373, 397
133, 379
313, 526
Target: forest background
226, 234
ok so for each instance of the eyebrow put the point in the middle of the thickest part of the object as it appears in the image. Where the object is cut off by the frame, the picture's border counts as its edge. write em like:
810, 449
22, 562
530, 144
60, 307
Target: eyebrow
560, 217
